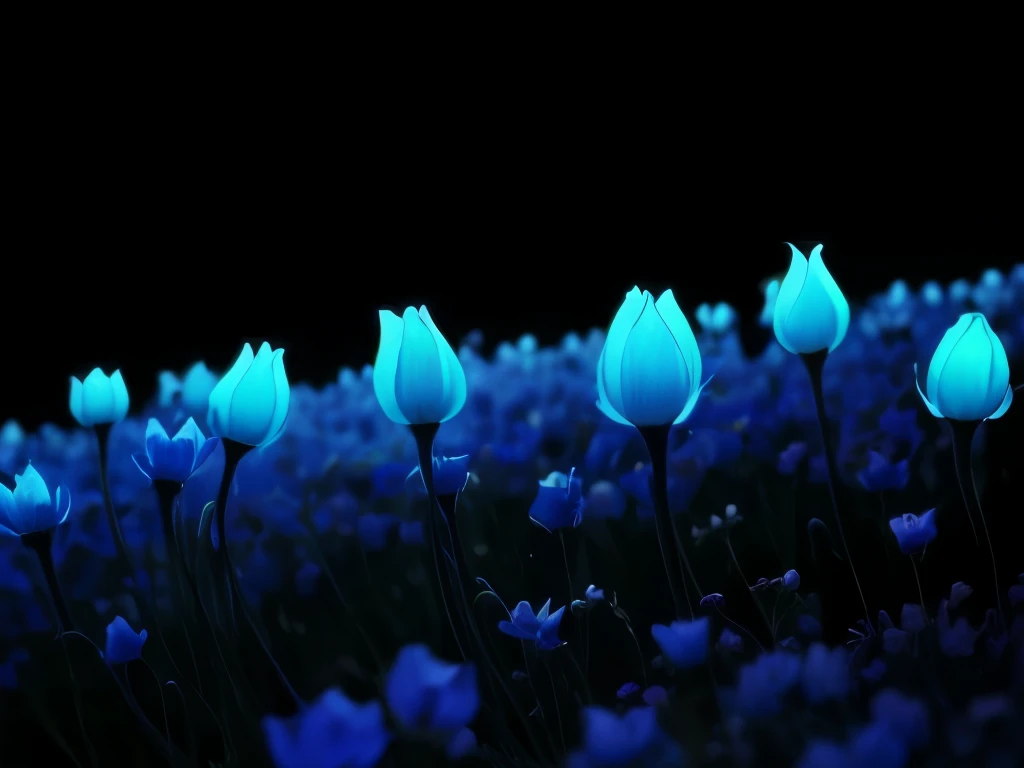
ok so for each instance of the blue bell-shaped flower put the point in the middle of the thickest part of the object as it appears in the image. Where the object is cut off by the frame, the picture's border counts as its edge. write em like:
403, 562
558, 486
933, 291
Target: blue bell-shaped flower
650, 368
914, 533
559, 502
29, 508
811, 313
250, 404
173, 458
541, 628
431, 696
684, 643
100, 399
969, 375
123, 643
417, 377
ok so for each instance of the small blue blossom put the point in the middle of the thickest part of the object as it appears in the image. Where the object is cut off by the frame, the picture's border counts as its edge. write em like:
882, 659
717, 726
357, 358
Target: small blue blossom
610, 741
29, 508
123, 643
764, 682
541, 628
332, 732
684, 643
450, 474
173, 458
883, 475
791, 580
559, 502
825, 674
431, 696
914, 533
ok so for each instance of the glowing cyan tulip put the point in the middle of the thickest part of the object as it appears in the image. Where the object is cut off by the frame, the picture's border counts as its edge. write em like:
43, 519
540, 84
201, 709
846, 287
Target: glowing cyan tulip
30, 509
650, 368
811, 313
417, 377
250, 404
969, 375
100, 399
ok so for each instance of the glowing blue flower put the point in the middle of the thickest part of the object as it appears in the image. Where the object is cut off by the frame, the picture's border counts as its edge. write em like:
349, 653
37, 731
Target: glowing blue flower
825, 674
250, 404
29, 508
771, 295
765, 681
450, 474
883, 475
100, 399
173, 458
196, 386
914, 533
969, 375
417, 377
431, 696
717, 319
541, 629
811, 313
611, 740
332, 732
650, 368
123, 643
931, 294
559, 502
684, 643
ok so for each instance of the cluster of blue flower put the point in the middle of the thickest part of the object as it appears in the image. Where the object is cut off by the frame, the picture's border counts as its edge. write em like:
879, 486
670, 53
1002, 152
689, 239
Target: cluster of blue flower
298, 492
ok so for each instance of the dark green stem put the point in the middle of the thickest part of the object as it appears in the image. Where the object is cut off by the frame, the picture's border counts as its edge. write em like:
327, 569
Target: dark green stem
656, 439
815, 363
41, 542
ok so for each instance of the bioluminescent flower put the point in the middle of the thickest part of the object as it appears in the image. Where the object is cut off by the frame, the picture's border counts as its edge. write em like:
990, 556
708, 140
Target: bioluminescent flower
931, 294
650, 368
969, 374
811, 313
417, 377
173, 458
430, 696
196, 386
771, 295
897, 640
825, 674
594, 594
124, 644
250, 404
332, 732
559, 502
627, 691
712, 600
765, 681
883, 475
684, 643
29, 508
914, 533
451, 473
541, 628
730, 641
100, 399
907, 716
610, 740
717, 319
791, 580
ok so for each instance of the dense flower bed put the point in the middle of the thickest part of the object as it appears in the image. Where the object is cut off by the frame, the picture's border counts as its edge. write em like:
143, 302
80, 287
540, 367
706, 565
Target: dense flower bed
558, 595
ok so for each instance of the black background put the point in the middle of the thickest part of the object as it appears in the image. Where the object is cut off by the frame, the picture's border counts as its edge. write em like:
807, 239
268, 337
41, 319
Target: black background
160, 286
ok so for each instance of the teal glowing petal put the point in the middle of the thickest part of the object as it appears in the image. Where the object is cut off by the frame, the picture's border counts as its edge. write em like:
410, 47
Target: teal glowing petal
454, 376
928, 404
419, 378
1007, 401
283, 402
692, 402
941, 355
609, 368
254, 400
97, 398
8, 512
386, 365
840, 307
76, 401
811, 313
219, 411
789, 292
655, 383
120, 394
962, 392
682, 333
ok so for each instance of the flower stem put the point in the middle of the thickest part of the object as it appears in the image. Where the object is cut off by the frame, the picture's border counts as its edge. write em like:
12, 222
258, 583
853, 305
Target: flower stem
963, 437
103, 438
920, 592
41, 542
234, 452
815, 364
656, 439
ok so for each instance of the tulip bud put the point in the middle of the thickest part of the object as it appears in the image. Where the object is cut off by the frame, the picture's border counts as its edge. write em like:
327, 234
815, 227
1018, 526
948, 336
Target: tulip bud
969, 375
417, 377
791, 580
811, 313
196, 386
250, 404
100, 399
650, 368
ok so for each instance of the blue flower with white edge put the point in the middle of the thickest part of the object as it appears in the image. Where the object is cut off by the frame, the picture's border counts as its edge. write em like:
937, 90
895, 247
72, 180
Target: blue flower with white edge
451, 473
100, 399
811, 313
29, 508
124, 644
541, 628
914, 533
969, 374
650, 368
174, 458
559, 502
